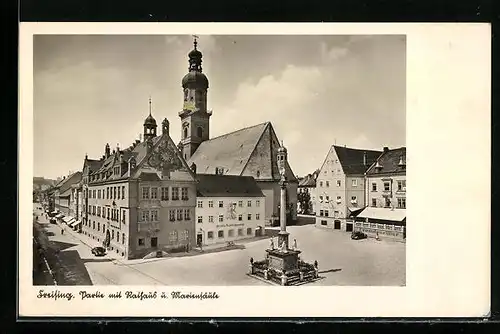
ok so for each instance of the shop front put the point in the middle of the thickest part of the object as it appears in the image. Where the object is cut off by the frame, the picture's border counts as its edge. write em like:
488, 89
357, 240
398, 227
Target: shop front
383, 223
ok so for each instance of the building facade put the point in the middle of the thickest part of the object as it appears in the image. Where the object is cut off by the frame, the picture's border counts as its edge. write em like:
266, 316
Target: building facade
307, 185
250, 151
340, 186
63, 191
140, 200
228, 208
385, 214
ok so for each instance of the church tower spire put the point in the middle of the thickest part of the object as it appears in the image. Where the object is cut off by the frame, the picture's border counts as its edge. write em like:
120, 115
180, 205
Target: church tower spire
195, 118
149, 125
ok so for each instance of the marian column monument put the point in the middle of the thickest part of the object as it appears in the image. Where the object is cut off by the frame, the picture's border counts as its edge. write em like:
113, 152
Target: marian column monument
282, 264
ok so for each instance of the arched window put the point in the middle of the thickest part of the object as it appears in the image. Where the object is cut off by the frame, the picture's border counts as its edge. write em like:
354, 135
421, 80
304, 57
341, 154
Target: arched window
258, 173
185, 132
199, 132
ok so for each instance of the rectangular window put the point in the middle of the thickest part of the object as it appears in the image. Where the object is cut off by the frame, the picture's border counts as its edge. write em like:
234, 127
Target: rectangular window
114, 192
402, 203
210, 235
327, 198
374, 186
321, 198
154, 193
98, 226
200, 219
402, 185
249, 204
107, 192
240, 231
144, 216
339, 183
221, 204
184, 194
210, 219
323, 222
108, 214
326, 213
175, 193
249, 216
240, 204
321, 213
99, 193
257, 216
354, 183
249, 231
117, 237
221, 218
339, 199
123, 192
220, 234
179, 214
164, 193
145, 193
123, 238
118, 192
240, 217
374, 202
186, 214
210, 204
327, 183
257, 203
93, 225
112, 234
141, 242
200, 204
387, 186
171, 215
321, 183
154, 215
230, 233
123, 216
173, 236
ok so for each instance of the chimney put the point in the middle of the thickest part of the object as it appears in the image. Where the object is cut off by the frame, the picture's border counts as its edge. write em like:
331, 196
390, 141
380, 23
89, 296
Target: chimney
165, 126
106, 151
386, 149
364, 158
137, 141
193, 167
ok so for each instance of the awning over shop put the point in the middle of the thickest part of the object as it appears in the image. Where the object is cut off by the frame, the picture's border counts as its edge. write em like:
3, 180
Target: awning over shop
60, 215
74, 223
69, 220
54, 212
353, 211
397, 215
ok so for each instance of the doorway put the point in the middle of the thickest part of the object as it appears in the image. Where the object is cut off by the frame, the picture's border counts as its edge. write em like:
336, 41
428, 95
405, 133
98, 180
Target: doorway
336, 224
199, 239
348, 227
107, 240
154, 242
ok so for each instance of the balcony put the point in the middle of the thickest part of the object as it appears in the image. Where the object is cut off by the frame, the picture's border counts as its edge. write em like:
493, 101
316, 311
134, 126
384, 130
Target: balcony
148, 226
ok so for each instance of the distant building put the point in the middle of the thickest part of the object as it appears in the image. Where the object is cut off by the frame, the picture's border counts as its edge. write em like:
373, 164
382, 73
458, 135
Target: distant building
340, 186
140, 200
307, 184
228, 208
62, 192
250, 151
385, 214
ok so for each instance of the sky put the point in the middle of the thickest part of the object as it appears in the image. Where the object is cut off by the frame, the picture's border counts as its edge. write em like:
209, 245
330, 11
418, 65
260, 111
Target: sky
317, 91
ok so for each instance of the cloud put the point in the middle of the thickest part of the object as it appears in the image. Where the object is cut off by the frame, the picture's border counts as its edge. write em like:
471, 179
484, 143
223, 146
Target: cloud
332, 54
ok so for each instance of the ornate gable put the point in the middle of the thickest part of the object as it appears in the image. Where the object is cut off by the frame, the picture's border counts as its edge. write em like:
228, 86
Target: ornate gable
163, 158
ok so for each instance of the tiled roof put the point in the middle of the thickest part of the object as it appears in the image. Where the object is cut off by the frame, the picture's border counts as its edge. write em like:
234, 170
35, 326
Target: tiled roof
234, 150
210, 185
352, 160
230, 151
66, 183
389, 161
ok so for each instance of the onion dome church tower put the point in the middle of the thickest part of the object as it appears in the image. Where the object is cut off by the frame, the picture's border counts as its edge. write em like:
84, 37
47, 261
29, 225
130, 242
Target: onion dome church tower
149, 125
195, 118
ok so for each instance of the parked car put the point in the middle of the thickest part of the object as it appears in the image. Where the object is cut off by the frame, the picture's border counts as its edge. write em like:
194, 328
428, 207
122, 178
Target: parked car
52, 220
99, 251
357, 235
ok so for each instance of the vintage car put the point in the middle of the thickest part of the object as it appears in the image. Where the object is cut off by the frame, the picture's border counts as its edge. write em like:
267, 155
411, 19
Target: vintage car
358, 235
99, 251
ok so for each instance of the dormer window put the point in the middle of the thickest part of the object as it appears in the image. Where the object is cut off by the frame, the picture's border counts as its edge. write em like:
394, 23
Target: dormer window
378, 166
402, 162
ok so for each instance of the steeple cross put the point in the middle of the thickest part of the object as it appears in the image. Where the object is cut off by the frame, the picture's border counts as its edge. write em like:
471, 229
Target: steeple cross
195, 40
